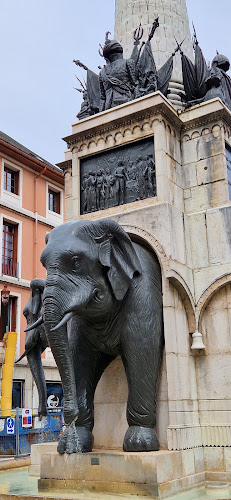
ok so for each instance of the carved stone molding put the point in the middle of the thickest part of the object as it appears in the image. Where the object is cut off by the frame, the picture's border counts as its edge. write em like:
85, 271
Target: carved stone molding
205, 114
152, 241
195, 436
124, 119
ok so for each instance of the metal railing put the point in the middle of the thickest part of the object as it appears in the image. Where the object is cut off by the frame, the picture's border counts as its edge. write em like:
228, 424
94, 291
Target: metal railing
16, 440
10, 268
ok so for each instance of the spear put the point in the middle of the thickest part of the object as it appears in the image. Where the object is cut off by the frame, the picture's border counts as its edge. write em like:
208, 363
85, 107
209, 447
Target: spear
80, 64
81, 83
154, 26
195, 41
178, 47
138, 33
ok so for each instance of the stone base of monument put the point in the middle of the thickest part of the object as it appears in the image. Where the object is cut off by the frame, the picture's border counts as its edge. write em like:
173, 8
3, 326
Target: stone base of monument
158, 474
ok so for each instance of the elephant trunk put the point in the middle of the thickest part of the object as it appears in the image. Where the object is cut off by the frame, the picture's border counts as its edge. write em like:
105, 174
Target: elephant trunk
58, 342
35, 364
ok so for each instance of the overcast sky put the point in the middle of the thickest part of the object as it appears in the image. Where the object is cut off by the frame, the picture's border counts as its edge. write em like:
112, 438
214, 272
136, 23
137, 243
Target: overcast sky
40, 38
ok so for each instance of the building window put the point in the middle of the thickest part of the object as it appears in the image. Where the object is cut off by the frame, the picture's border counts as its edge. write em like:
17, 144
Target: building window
228, 161
9, 249
17, 394
11, 180
54, 201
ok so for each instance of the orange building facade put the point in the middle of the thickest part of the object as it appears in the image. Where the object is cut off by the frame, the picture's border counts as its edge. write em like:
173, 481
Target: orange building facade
31, 205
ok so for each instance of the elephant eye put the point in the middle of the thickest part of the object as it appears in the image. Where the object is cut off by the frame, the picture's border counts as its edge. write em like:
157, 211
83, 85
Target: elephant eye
75, 263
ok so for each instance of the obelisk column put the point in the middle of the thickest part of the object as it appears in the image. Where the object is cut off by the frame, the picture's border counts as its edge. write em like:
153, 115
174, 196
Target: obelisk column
173, 19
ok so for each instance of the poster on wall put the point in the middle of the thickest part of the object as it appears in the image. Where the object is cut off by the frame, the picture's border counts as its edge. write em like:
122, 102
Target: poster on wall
26, 418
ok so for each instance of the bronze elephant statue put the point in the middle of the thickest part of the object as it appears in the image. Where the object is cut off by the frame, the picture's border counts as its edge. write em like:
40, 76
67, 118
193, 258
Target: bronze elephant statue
103, 298
36, 341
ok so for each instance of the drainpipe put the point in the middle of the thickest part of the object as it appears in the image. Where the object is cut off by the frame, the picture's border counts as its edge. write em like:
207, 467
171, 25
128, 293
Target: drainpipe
35, 256
7, 374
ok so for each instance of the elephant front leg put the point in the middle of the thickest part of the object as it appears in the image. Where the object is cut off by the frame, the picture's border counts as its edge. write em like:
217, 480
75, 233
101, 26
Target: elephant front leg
35, 364
68, 441
60, 348
142, 363
89, 365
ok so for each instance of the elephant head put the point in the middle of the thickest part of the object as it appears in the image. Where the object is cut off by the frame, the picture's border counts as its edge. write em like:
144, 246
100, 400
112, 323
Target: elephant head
36, 341
89, 269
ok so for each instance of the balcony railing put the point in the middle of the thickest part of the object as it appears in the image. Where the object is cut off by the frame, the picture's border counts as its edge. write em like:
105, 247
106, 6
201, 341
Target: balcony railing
10, 268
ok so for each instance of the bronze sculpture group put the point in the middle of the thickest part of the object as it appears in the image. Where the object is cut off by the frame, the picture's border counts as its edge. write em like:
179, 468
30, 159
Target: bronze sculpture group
201, 82
133, 181
122, 80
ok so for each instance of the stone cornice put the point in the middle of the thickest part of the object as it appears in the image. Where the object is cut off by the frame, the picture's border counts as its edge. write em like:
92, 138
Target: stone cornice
65, 165
140, 109
205, 113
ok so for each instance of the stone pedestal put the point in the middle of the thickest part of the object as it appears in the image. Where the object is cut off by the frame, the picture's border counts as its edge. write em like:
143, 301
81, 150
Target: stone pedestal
187, 225
154, 474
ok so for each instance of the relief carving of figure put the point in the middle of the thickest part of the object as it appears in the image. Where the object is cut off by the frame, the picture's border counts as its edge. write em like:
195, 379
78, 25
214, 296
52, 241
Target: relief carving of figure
121, 177
151, 176
91, 198
100, 192
109, 193
84, 189
140, 175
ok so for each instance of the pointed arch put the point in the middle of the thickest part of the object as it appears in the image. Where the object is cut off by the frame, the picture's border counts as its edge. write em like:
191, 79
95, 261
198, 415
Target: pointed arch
208, 294
179, 283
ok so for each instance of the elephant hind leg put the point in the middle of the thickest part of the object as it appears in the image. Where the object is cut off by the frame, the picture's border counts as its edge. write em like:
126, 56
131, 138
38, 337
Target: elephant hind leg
142, 357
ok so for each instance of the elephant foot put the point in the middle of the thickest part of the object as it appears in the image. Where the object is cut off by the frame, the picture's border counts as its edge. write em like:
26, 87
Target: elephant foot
140, 439
75, 440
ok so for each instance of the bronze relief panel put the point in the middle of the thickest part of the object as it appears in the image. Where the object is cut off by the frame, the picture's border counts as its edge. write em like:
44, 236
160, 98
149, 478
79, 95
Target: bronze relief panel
122, 175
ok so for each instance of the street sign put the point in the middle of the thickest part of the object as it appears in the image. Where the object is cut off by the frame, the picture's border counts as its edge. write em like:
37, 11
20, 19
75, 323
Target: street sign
10, 425
26, 418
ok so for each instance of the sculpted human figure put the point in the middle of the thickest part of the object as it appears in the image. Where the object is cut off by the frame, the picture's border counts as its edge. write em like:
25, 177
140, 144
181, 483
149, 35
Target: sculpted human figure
219, 83
84, 189
117, 79
151, 176
91, 192
145, 172
202, 83
100, 196
121, 176
107, 187
140, 175
85, 107
131, 184
112, 195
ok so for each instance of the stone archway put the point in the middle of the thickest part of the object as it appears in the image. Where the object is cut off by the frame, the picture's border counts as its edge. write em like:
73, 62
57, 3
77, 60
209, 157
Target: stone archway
213, 373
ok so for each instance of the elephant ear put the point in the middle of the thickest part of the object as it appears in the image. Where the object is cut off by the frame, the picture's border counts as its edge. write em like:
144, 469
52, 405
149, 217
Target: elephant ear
117, 253
37, 288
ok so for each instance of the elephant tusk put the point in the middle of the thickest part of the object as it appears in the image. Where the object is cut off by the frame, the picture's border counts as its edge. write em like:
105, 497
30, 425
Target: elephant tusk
63, 321
37, 323
25, 353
